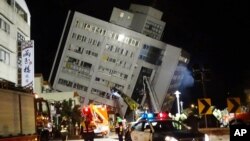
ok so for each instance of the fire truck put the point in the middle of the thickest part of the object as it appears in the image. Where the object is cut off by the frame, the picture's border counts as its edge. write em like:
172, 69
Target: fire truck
17, 115
239, 118
43, 119
22, 116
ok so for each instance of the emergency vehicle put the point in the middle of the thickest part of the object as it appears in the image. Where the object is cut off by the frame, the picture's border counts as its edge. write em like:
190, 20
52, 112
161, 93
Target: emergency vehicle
27, 117
159, 127
99, 115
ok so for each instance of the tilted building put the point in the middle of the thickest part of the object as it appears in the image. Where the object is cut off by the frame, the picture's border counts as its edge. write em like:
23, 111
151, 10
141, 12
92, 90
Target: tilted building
94, 55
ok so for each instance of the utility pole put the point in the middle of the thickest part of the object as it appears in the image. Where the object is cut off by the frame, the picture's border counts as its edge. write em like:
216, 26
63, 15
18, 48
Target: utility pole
204, 92
201, 71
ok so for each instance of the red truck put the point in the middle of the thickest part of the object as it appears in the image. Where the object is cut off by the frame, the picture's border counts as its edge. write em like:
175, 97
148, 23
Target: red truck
243, 117
22, 117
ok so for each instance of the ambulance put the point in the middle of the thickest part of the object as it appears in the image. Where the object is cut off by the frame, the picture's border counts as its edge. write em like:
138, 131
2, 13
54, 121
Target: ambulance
100, 117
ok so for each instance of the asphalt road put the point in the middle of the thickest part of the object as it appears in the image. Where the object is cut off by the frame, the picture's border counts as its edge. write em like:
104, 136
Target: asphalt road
112, 137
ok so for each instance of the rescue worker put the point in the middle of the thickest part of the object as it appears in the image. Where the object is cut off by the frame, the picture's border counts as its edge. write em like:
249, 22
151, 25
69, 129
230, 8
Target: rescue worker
118, 120
120, 131
124, 123
88, 126
64, 129
127, 133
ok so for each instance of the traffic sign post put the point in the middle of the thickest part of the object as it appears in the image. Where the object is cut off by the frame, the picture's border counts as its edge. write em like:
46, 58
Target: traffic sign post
204, 105
233, 105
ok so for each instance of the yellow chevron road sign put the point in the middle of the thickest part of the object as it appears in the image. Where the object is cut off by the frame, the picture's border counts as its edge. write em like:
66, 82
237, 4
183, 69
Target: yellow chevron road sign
233, 105
204, 105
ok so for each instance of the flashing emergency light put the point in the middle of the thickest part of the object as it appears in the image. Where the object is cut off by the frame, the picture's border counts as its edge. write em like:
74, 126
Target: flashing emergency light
162, 115
147, 115
150, 115
144, 115
86, 110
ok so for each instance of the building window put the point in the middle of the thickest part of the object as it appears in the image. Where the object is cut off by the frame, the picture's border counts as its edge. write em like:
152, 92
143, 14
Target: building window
151, 54
20, 37
74, 35
21, 12
4, 56
72, 84
77, 23
121, 15
4, 26
76, 49
79, 37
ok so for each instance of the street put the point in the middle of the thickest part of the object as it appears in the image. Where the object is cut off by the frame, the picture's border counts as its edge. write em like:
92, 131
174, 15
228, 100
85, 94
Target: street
112, 137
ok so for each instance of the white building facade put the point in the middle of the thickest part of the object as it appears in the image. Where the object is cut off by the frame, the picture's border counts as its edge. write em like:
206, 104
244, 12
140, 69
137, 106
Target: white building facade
14, 28
140, 18
43, 89
95, 55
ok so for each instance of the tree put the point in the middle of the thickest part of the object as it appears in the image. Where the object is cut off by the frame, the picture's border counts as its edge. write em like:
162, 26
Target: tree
71, 113
76, 114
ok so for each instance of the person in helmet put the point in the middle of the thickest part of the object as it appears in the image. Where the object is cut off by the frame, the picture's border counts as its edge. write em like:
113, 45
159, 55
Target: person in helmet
88, 126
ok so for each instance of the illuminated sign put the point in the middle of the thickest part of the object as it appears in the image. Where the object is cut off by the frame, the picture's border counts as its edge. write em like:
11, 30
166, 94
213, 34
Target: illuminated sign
28, 64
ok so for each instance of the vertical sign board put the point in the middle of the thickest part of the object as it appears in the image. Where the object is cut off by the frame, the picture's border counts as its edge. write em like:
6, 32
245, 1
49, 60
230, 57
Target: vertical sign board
233, 105
28, 64
204, 105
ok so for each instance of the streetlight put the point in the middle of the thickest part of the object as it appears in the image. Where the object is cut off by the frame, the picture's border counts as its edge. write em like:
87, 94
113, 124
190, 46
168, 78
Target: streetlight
177, 94
181, 102
192, 105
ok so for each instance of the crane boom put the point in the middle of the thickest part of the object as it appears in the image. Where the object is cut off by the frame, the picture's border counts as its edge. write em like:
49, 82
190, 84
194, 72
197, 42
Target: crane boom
153, 98
130, 102
133, 105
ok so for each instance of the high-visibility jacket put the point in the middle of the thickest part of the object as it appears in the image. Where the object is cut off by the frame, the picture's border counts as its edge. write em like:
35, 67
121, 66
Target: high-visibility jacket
120, 130
88, 128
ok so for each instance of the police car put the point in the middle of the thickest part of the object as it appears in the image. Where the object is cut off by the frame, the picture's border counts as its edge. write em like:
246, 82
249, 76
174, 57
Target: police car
163, 129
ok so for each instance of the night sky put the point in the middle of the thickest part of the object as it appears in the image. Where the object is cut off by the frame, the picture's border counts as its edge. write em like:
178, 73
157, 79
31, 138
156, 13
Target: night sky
214, 32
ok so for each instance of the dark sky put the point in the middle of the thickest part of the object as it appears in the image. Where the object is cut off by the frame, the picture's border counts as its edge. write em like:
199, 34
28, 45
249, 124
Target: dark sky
214, 32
